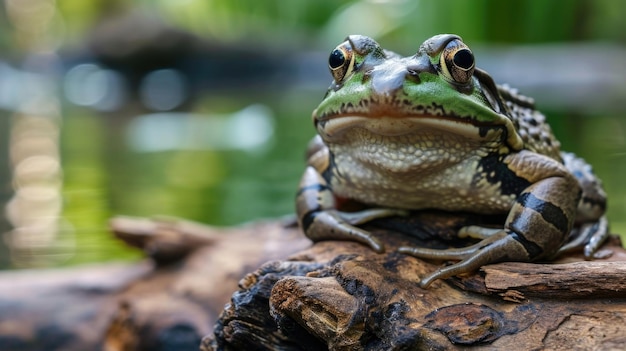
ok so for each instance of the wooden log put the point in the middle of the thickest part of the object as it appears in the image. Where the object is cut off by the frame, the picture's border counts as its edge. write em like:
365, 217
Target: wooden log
343, 296
299, 296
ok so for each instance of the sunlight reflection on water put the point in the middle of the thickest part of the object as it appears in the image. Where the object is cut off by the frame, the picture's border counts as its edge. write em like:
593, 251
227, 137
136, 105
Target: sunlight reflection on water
103, 89
40, 235
248, 129
90, 85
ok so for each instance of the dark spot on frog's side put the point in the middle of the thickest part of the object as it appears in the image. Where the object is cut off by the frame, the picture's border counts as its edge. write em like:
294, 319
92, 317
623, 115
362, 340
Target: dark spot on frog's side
547, 141
420, 109
494, 170
440, 108
483, 130
332, 166
531, 121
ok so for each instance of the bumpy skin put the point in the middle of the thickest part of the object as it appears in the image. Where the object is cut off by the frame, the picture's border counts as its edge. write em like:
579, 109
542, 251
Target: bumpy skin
432, 131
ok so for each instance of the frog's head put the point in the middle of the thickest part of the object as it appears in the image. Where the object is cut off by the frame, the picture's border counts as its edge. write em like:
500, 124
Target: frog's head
437, 89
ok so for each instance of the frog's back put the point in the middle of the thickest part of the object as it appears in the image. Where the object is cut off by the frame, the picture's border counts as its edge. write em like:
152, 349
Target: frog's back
530, 123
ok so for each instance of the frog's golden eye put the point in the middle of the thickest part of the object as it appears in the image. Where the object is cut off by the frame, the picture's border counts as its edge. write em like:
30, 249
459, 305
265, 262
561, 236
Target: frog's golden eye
341, 61
457, 62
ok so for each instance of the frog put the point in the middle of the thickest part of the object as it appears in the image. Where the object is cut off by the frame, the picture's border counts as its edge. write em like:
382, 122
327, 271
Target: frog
432, 131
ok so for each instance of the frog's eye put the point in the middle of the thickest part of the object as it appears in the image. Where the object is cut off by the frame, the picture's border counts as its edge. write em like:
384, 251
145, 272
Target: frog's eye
457, 62
341, 61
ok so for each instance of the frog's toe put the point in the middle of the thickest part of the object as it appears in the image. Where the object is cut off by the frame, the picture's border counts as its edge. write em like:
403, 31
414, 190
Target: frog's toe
331, 225
454, 253
599, 233
477, 232
434, 254
368, 239
360, 217
496, 248
468, 265
589, 237
443, 273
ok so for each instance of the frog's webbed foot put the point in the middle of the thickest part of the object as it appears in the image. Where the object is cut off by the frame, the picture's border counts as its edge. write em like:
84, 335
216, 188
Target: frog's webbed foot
337, 225
590, 236
497, 246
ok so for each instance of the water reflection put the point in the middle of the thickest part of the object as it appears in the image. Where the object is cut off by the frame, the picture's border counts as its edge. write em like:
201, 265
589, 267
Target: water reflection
248, 129
40, 236
90, 85
22, 90
104, 89
163, 89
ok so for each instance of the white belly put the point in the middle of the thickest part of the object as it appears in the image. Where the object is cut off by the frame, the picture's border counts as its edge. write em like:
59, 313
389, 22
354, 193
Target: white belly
416, 179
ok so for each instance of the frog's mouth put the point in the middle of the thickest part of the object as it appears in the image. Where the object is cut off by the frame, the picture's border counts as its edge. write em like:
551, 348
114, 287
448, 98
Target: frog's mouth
333, 128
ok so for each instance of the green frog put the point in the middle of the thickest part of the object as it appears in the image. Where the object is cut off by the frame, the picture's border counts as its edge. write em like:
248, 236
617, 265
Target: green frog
432, 131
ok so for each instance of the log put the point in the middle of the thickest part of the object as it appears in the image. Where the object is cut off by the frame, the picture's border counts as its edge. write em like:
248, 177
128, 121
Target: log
302, 296
344, 296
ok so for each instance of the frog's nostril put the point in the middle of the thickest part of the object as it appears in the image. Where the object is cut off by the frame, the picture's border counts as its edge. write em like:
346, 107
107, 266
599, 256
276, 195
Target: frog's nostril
413, 75
386, 81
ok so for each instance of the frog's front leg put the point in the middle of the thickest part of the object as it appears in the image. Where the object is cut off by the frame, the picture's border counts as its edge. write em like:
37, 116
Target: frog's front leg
536, 226
320, 220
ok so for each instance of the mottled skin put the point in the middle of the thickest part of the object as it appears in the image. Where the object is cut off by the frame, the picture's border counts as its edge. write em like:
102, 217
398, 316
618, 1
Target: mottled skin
432, 131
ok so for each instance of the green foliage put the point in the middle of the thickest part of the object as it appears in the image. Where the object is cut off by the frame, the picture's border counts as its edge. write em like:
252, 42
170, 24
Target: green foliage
401, 21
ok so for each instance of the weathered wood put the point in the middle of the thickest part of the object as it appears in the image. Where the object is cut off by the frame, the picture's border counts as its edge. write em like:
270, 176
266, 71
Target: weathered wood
343, 296
592, 279
330, 295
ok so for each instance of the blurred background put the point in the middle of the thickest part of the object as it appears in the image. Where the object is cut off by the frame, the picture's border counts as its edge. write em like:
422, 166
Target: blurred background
201, 108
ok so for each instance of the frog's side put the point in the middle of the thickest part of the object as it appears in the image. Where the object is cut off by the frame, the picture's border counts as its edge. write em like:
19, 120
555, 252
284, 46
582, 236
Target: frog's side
431, 131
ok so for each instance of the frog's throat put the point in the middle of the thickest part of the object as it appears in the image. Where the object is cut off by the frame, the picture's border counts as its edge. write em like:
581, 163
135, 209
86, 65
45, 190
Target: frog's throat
392, 126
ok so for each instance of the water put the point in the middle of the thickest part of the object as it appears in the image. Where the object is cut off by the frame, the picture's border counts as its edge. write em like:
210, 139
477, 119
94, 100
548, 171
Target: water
225, 163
